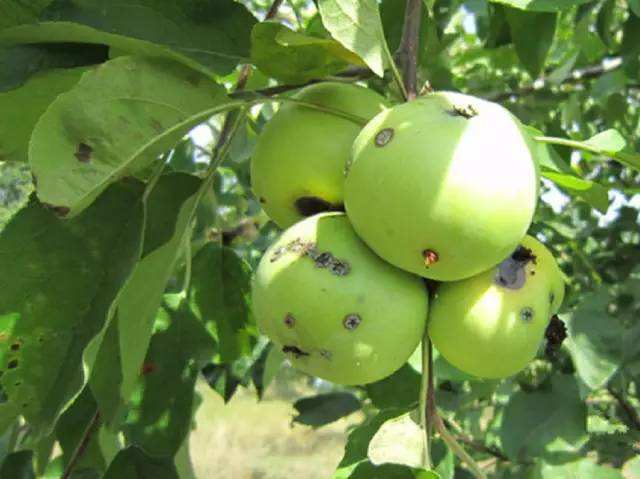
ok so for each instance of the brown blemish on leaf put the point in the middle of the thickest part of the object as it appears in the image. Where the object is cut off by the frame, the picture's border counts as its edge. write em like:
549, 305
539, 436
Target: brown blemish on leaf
148, 367
83, 153
156, 125
15, 346
262, 200
384, 136
430, 257
312, 205
12, 364
60, 211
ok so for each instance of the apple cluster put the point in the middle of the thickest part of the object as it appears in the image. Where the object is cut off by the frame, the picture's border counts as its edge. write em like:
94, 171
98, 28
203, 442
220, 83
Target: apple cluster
441, 188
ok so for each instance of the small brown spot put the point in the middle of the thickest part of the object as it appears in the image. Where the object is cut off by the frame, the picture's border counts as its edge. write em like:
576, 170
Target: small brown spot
430, 257
12, 364
262, 200
466, 111
289, 321
312, 205
156, 125
60, 211
340, 268
148, 367
523, 255
351, 321
324, 260
15, 347
533, 273
83, 153
526, 314
296, 351
384, 136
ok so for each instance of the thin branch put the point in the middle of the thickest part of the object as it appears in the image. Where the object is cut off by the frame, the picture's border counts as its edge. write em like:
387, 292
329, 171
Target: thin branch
457, 449
632, 413
576, 76
82, 446
477, 445
425, 417
407, 53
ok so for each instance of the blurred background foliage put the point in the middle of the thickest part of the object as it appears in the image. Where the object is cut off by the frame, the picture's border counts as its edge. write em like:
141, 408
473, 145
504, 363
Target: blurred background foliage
573, 413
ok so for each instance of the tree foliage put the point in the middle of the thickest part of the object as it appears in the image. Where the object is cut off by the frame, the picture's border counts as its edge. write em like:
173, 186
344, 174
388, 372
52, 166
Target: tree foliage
126, 245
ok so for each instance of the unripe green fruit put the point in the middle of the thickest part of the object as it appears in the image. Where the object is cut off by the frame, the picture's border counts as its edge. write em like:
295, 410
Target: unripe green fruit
297, 168
336, 309
444, 186
491, 325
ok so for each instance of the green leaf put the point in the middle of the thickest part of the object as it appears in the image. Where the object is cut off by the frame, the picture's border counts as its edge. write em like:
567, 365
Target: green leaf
160, 417
398, 441
267, 367
542, 5
609, 140
81, 145
133, 463
18, 465
593, 193
15, 12
595, 339
631, 468
220, 289
71, 429
357, 26
169, 210
211, 37
21, 108
532, 54
324, 409
634, 5
577, 469
545, 422
400, 390
59, 282
294, 57
19, 63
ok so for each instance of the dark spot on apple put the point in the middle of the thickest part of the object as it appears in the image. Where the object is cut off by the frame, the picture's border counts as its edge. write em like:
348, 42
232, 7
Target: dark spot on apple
295, 350
262, 200
326, 354
384, 136
526, 314
351, 321
12, 364
465, 111
312, 205
511, 272
523, 255
289, 320
83, 153
552, 298
340, 268
430, 257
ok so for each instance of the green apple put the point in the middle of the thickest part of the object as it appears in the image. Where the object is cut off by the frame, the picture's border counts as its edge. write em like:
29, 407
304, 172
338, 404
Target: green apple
444, 186
491, 325
337, 310
297, 168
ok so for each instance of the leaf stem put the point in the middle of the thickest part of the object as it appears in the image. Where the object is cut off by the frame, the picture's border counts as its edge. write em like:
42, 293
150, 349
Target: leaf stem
82, 445
425, 416
627, 159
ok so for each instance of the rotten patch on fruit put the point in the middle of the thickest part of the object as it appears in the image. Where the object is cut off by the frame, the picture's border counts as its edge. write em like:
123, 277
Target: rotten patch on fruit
312, 205
526, 314
289, 321
384, 136
466, 111
351, 321
430, 257
322, 260
295, 350
555, 334
511, 272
